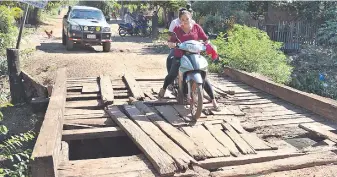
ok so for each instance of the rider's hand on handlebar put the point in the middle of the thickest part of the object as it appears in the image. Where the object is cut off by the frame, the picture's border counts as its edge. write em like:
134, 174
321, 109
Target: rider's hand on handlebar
171, 45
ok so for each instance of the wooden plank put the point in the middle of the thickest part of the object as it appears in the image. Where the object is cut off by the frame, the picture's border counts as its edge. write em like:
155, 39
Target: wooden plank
150, 95
253, 125
291, 163
182, 159
72, 111
91, 133
251, 138
150, 78
242, 145
85, 116
215, 163
136, 165
90, 88
171, 115
223, 111
85, 104
70, 126
48, 144
317, 104
96, 122
223, 139
64, 154
235, 109
133, 85
319, 131
180, 138
185, 112
74, 97
106, 90
161, 161
201, 136
255, 142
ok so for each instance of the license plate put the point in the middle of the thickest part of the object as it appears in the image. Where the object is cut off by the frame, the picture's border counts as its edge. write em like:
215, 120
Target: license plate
91, 36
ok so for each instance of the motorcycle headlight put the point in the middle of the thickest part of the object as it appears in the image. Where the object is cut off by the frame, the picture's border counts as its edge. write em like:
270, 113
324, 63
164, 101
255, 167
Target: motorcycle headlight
75, 27
106, 29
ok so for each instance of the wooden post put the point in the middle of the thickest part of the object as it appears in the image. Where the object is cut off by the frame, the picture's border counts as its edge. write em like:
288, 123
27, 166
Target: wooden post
21, 27
16, 86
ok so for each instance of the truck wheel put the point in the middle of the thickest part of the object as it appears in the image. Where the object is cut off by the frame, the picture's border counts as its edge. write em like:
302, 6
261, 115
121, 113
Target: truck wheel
64, 40
70, 44
106, 46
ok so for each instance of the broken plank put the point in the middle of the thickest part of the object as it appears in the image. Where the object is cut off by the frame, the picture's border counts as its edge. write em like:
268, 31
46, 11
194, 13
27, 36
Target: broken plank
182, 158
171, 115
223, 139
70, 126
84, 104
215, 163
251, 138
203, 137
291, 163
90, 88
320, 132
236, 138
256, 124
134, 87
180, 138
106, 90
96, 122
161, 161
91, 133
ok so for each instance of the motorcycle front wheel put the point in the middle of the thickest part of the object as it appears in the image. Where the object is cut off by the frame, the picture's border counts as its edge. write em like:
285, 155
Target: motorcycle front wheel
196, 102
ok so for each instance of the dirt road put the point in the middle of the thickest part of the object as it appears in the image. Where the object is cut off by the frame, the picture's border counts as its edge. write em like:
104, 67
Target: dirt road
129, 53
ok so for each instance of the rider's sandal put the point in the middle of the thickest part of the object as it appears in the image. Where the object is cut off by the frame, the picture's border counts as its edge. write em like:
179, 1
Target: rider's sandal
161, 93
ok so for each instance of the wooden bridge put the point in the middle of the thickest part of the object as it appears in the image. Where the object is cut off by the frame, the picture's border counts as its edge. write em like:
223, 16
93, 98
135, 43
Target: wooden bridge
102, 126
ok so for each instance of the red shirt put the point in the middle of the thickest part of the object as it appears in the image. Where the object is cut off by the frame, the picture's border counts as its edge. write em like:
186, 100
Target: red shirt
196, 33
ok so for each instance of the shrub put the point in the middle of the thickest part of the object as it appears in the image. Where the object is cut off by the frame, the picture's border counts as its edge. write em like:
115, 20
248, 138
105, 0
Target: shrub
12, 148
251, 50
327, 33
8, 30
309, 64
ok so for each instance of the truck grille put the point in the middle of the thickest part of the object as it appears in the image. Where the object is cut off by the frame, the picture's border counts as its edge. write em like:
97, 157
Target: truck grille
92, 28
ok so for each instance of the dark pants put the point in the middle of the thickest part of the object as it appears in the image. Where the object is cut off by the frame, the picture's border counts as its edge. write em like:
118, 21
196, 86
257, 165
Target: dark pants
169, 60
173, 73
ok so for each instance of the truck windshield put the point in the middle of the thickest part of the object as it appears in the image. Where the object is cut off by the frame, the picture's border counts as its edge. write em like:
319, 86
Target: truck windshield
86, 14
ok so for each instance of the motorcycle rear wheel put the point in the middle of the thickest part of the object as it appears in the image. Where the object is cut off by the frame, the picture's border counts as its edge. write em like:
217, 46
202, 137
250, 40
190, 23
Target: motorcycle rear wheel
196, 103
122, 32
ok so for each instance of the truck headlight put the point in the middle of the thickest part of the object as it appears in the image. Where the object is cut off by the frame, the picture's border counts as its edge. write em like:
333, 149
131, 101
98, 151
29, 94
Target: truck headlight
106, 29
75, 27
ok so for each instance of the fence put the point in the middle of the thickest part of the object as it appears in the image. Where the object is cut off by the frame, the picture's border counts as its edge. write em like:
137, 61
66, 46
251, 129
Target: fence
292, 34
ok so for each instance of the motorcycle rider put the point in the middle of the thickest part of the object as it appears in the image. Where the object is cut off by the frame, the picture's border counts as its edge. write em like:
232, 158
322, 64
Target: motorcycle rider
187, 30
176, 22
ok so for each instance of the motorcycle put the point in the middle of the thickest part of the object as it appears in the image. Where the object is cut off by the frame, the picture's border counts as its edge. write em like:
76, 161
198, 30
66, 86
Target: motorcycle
139, 27
192, 74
